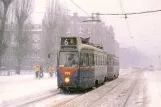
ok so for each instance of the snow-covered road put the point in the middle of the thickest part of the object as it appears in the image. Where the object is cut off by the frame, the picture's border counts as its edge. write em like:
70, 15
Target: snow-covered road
135, 89
23, 87
14, 88
132, 89
112, 94
62, 98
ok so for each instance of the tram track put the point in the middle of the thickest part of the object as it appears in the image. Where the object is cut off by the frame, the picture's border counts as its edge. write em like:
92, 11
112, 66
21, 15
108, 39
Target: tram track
30, 99
109, 91
108, 87
131, 91
65, 103
119, 96
62, 103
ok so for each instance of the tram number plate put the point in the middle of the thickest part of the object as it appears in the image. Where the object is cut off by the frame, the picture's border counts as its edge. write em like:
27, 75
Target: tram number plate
67, 73
68, 41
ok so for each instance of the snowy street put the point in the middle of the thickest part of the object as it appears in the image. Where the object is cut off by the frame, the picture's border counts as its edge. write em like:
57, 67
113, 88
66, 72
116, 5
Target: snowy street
133, 88
18, 88
137, 89
22, 87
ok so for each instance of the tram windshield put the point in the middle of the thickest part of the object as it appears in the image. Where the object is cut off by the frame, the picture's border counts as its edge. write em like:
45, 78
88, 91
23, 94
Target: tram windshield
68, 59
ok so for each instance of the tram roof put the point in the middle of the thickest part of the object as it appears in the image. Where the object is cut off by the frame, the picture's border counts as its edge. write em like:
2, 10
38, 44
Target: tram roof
112, 55
82, 46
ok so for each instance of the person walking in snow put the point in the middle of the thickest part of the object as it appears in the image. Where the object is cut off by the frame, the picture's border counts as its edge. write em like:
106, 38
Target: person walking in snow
51, 71
41, 74
37, 70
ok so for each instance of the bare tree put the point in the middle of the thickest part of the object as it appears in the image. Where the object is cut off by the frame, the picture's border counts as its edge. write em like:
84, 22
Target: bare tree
54, 25
23, 9
4, 5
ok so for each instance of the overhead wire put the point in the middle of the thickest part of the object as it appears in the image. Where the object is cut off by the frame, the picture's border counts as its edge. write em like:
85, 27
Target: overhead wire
127, 24
134, 13
80, 8
91, 16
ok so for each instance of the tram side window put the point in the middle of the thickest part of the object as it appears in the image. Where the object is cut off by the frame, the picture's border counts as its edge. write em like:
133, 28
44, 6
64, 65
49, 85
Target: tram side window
115, 63
87, 59
100, 57
100, 60
81, 59
96, 60
92, 55
104, 60
84, 59
112, 62
107, 61
91, 59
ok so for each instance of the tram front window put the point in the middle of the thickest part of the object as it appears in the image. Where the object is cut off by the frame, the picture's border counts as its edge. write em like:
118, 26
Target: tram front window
68, 59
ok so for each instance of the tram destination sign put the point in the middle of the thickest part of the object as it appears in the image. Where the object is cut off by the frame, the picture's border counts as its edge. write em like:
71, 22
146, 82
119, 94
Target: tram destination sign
68, 41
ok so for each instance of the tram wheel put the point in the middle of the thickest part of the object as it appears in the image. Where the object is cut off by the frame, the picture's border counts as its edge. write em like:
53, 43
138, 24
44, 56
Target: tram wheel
96, 84
105, 79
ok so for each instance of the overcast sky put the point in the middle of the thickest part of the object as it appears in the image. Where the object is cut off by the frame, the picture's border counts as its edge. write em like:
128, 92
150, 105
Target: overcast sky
145, 29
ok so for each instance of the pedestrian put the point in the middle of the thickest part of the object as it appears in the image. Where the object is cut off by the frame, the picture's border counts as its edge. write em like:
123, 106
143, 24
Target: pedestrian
37, 70
41, 74
51, 71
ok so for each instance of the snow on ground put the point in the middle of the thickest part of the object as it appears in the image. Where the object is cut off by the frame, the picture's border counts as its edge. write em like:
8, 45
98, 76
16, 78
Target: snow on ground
125, 71
60, 98
22, 86
19, 86
112, 94
12, 72
145, 92
153, 88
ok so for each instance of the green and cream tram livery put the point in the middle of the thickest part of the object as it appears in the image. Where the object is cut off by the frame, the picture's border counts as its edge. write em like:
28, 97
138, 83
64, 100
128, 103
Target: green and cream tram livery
80, 65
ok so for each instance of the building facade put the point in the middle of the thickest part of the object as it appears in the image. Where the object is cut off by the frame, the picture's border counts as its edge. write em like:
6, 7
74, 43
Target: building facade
99, 33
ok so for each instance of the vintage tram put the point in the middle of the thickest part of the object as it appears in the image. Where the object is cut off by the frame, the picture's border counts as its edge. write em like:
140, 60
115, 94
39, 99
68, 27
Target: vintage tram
82, 65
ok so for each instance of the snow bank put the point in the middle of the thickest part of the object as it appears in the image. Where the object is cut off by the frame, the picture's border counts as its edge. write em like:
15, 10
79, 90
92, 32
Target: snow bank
20, 86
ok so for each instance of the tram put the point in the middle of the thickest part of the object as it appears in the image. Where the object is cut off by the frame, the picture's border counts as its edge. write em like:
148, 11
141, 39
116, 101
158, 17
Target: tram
82, 65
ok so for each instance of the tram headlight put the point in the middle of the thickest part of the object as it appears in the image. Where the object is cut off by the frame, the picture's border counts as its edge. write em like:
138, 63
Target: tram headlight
67, 79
